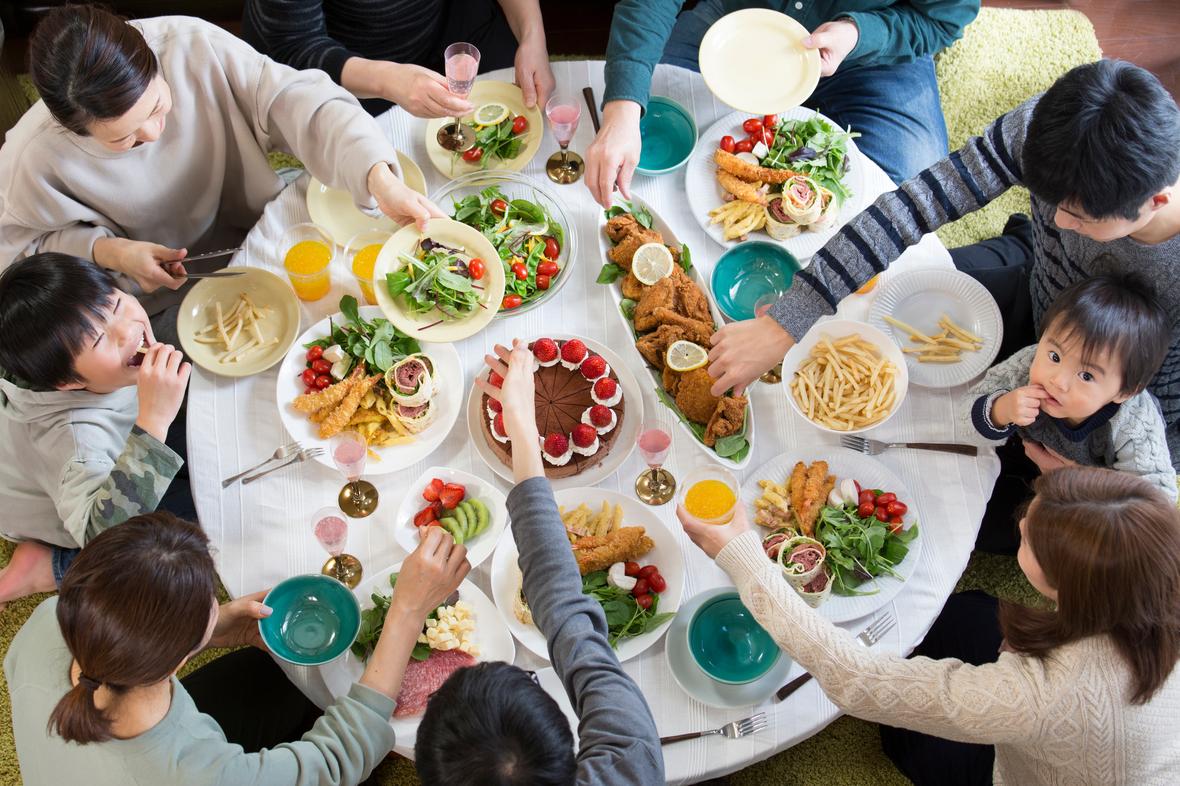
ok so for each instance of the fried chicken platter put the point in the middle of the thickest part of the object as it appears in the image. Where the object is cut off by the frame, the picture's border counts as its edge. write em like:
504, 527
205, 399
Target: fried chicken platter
673, 320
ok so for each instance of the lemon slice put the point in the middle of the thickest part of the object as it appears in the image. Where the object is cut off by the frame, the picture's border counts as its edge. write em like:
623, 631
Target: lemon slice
490, 114
685, 356
652, 261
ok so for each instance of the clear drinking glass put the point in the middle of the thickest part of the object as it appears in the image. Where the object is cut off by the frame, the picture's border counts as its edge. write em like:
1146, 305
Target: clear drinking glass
656, 485
461, 62
330, 526
358, 498
564, 110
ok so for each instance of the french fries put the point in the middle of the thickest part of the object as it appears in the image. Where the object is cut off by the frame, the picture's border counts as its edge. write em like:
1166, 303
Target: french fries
738, 218
845, 384
239, 333
583, 522
945, 347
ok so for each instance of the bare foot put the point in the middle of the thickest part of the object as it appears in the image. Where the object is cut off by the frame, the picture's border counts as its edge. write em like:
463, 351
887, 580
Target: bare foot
29, 571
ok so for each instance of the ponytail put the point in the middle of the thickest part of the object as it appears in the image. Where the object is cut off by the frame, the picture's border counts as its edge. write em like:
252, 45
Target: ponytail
75, 717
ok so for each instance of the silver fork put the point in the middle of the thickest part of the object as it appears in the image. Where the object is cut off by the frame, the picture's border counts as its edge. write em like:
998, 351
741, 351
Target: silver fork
871, 447
281, 453
868, 637
733, 730
301, 456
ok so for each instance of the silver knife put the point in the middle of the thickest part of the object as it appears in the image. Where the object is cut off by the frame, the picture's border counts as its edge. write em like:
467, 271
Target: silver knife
212, 254
217, 274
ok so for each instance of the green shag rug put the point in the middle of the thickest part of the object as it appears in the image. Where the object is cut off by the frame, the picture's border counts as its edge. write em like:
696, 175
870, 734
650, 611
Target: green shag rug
1004, 57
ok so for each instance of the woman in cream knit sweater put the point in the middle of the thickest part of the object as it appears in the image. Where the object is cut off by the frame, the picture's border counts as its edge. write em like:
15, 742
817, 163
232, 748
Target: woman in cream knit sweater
1088, 693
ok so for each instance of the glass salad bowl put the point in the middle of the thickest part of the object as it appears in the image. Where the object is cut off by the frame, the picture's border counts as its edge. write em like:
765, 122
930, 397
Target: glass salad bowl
520, 240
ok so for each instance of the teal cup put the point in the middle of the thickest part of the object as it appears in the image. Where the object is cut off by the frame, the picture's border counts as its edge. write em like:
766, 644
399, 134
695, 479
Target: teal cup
749, 271
728, 644
668, 135
314, 619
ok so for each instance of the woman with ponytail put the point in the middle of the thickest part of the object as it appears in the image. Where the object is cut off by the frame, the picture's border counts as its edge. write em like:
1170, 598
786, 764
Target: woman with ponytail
92, 674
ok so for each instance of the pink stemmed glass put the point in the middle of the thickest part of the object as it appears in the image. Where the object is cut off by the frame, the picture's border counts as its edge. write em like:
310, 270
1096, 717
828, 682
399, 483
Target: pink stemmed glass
331, 530
564, 111
359, 497
461, 63
655, 486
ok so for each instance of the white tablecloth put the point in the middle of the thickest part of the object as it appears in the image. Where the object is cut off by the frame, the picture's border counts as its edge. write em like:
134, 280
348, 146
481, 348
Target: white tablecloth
262, 532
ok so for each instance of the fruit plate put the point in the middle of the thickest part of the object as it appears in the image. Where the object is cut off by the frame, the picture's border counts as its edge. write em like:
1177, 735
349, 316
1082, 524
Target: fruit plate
871, 474
649, 373
705, 193
481, 546
451, 165
334, 210
491, 634
666, 555
448, 399
621, 448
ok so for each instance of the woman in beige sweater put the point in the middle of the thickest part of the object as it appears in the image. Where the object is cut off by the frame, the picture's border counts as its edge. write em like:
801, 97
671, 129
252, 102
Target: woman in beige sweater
1088, 693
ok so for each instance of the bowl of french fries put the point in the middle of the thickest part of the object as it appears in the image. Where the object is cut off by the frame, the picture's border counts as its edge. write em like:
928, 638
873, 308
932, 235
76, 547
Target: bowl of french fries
238, 326
845, 376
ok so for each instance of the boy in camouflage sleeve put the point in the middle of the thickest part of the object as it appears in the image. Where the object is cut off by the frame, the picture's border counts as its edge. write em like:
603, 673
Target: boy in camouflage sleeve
86, 400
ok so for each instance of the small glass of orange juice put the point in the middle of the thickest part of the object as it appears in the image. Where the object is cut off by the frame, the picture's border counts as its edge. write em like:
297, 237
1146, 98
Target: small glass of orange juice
709, 495
308, 251
361, 254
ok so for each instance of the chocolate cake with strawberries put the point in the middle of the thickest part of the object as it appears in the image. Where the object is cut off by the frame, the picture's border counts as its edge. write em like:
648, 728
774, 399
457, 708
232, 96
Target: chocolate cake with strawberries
579, 405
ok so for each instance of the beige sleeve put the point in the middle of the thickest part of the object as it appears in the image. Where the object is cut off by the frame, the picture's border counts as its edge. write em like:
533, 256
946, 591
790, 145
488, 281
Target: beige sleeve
1003, 702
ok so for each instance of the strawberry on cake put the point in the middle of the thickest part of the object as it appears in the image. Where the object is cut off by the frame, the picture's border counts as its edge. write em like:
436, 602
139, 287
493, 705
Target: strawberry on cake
579, 404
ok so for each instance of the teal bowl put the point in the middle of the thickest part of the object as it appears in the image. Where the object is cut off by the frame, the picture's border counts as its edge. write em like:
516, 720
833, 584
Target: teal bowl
314, 619
747, 272
728, 644
668, 133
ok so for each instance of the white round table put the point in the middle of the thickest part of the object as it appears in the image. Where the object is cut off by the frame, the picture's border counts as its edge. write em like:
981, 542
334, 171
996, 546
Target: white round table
261, 533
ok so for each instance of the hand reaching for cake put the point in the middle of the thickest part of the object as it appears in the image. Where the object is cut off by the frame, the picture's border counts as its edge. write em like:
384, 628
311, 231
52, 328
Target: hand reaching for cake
513, 369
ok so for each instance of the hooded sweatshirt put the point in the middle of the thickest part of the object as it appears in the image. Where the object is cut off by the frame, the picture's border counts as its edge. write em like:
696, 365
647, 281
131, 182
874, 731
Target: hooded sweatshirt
73, 463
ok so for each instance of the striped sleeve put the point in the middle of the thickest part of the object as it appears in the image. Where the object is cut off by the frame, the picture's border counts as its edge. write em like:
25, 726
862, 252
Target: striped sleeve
966, 180
295, 34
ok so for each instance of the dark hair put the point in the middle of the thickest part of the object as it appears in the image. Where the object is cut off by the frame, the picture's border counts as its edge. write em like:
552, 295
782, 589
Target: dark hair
1109, 544
49, 306
132, 607
1115, 313
89, 64
1105, 137
492, 725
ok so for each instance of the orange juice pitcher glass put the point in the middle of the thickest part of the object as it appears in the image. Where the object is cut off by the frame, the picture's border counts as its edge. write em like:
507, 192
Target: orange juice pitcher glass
361, 256
709, 495
308, 251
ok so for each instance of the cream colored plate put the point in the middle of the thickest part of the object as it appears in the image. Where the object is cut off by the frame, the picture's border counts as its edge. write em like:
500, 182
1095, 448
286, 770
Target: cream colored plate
456, 235
754, 60
483, 92
334, 210
266, 290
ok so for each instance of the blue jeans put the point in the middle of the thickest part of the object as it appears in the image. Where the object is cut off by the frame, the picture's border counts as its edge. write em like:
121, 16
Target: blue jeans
895, 108
62, 559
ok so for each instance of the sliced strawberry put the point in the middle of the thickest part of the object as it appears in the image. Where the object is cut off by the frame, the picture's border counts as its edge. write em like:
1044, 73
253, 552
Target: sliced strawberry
556, 444
452, 495
495, 380
545, 349
432, 490
573, 351
593, 367
600, 416
498, 425
495, 406
584, 435
425, 516
605, 389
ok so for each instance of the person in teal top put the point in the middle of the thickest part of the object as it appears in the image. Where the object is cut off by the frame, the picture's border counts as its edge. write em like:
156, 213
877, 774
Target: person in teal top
877, 74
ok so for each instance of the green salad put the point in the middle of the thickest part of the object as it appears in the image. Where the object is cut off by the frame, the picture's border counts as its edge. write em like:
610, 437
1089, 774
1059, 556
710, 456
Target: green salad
625, 618
437, 277
815, 148
373, 622
860, 547
374, 342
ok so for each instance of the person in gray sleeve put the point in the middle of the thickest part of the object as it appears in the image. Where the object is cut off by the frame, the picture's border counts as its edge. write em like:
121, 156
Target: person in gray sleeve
492, 724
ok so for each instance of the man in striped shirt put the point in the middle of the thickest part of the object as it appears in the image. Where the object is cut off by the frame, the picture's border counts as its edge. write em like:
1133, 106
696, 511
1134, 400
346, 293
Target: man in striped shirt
1100, 154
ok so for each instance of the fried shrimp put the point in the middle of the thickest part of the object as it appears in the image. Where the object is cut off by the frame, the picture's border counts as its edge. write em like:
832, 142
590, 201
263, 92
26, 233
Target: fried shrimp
622, 545
741, 189
329, 396
733, 165
335, 423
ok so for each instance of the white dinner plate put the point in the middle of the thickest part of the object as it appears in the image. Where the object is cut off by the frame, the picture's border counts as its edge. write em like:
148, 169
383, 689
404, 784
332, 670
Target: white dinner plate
484, 91
480, 547
754, 60
919, 298
871, 474
666, 555
649, 374
705, 193
334, 210
448, 372
493, 638
621, 448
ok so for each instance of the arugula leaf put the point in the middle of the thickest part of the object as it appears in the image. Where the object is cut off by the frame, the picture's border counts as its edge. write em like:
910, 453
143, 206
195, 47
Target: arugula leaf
398, 282
685, 258
627, 306
610, 273
728, 447
642, 216
350, 309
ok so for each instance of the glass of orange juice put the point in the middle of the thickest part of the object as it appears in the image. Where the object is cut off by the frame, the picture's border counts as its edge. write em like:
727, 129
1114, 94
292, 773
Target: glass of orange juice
308, 251
709, 495
361, 255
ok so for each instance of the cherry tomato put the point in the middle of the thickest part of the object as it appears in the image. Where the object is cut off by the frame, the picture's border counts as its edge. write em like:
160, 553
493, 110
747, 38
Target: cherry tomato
547, 268
315, 353
644, 601
896, 509
631, 568
308, 376
743, 146
542, 281
321, 366
886, 498
647, 571
323, 381
499, 207
551, 248
308, 391
866, 496
657, 583
752, 125
896, 526
770, 121
881, 514
767, 137
473, 155
511, 301
642, 586
520, 271
865, 509
727, 143
475, 268
519, 124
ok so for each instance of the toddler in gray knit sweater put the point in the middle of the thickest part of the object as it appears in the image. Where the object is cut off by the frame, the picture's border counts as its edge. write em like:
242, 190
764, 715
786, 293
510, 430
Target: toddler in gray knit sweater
1079, 395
